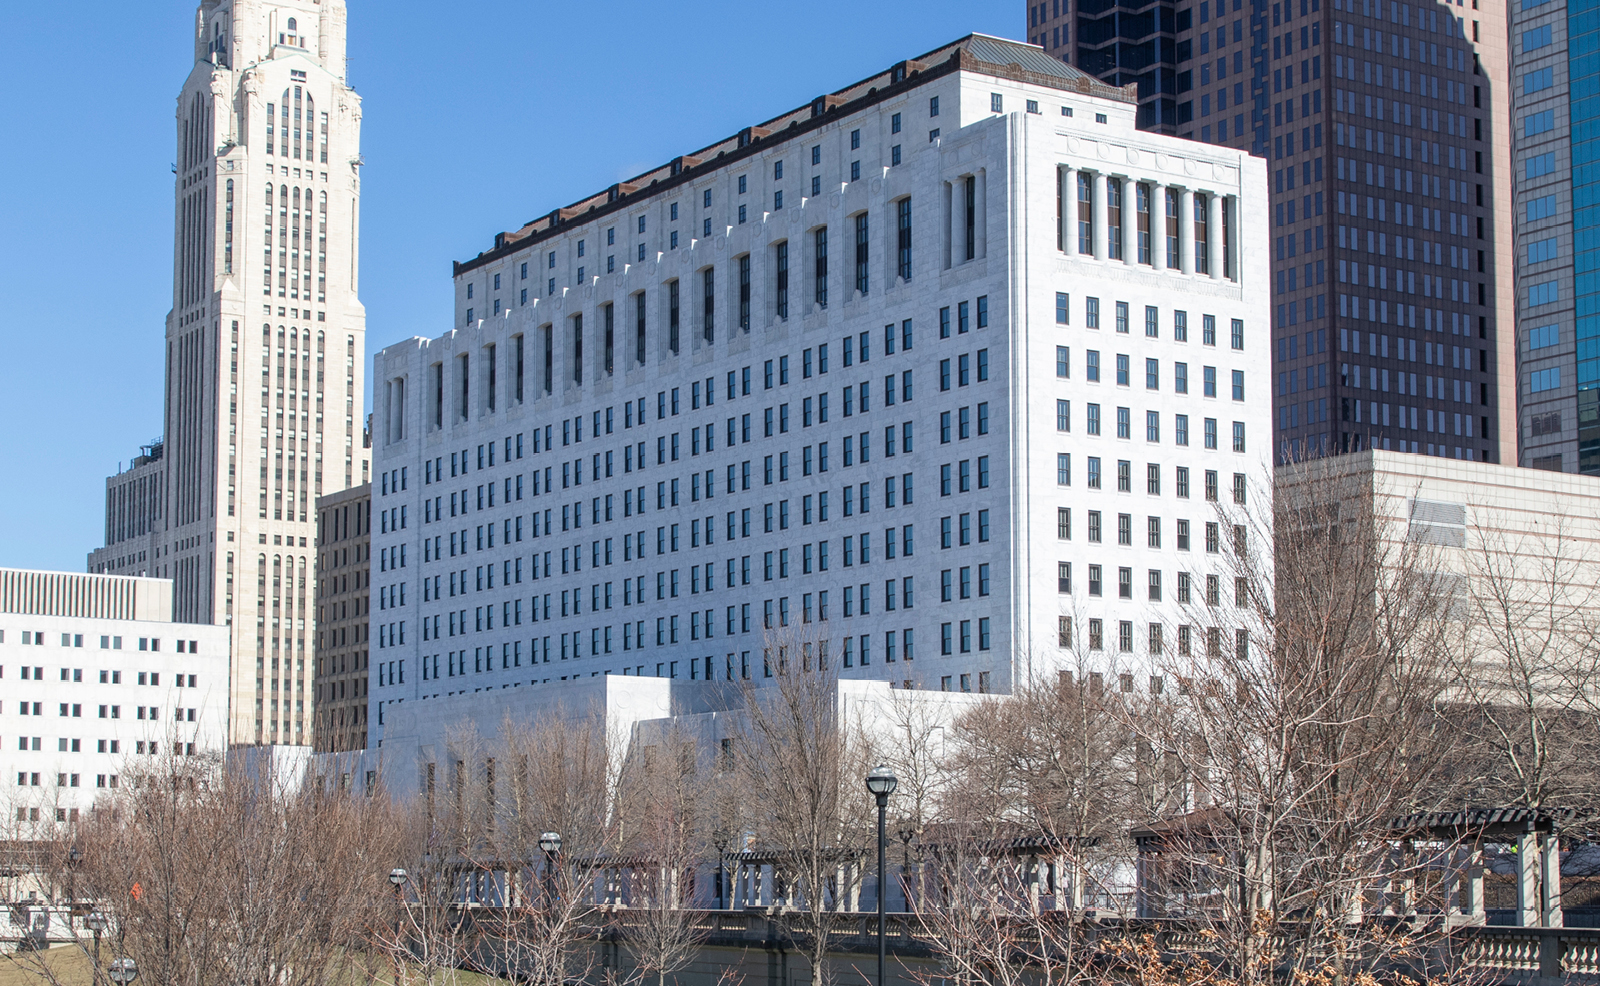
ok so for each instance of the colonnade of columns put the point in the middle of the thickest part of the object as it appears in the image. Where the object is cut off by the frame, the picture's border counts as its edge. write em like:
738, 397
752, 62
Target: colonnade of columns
1184, 229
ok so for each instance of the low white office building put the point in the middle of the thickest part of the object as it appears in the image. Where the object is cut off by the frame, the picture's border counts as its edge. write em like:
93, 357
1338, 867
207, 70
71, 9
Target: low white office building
95, 679
932, 378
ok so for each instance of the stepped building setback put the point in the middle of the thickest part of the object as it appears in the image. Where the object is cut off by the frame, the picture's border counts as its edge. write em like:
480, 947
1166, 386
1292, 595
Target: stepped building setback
266, 220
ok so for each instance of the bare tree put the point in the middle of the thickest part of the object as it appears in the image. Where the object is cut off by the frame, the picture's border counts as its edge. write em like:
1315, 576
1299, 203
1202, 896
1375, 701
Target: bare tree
485, 814
1307, 719
664, 814
800, 765
211, 873
1526, 668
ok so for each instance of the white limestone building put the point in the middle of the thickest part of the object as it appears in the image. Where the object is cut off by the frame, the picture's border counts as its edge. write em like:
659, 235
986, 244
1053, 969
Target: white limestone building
936, 375
97, 678
266, 222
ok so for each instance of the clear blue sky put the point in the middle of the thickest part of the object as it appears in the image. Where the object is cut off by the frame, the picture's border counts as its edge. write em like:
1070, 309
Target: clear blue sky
477, 117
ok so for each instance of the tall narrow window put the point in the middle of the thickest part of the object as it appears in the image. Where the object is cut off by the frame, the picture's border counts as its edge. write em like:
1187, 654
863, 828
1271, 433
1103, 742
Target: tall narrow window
611, 339
1085, 215
783, 279
322, 247
672, 316
324, 139
820, 274
861, 253
577, 349
1114, 219
970, 214
549, 358
638, 328
518, 357
438, 395
1172, 197
283, 126
1202, 236
744, 293
903, 210
227, 231
271, 127
490, 390
466, 380
1142, 205
709, 282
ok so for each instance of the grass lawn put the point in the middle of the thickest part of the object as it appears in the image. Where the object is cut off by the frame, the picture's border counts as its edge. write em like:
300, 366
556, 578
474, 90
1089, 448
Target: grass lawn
69, 966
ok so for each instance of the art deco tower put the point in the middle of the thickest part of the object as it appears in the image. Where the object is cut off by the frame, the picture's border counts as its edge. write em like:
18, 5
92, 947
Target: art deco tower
264, 350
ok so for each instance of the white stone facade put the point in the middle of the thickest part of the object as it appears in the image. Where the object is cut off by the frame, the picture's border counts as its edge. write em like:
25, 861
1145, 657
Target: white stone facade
558, 494
97, 678
268, 145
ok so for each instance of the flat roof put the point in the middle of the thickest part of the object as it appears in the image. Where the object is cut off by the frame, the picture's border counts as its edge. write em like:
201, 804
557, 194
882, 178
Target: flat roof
999, 57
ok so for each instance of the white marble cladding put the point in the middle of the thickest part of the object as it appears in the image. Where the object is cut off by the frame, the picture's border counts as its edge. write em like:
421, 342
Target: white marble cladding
676, 463
91, 700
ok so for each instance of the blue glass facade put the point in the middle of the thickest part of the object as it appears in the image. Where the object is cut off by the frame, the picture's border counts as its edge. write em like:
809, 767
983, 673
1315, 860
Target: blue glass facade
1583, 66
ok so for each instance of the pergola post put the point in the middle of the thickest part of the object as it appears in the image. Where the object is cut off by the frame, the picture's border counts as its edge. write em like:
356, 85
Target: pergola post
1527, 877
1475, 904
1550, 880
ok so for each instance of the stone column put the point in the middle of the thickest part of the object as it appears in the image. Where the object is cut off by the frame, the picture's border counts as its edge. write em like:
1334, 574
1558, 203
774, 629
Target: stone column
1214, 235
958, 234
1474, 907
1068, 192
1527, 879
1100, 250
1186, 230
1130, 220
1550, 881
1158, 227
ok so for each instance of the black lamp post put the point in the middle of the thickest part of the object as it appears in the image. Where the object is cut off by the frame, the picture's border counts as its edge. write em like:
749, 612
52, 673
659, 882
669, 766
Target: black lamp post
397, 879
97, 924
550, 842
881, 782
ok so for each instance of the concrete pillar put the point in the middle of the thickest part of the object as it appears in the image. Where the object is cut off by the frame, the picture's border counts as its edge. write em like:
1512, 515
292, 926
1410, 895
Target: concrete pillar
1100, 250
1550, 881
1186, 230
955, 193
1158, 227
1474, 907
1130, 220
1234, 252
1032, 863
1527, 879
1068, 193
980, 205
1214, 235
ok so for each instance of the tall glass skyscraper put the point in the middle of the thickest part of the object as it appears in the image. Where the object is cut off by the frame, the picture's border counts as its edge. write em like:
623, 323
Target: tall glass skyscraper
1385, 125
1555, 111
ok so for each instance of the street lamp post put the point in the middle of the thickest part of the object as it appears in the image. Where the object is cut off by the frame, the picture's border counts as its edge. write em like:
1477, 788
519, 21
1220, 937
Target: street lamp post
397, 879
97, 924
550, 842
881, 782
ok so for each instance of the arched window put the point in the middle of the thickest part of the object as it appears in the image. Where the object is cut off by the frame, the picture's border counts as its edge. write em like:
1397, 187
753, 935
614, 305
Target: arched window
291, 36
310, 127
